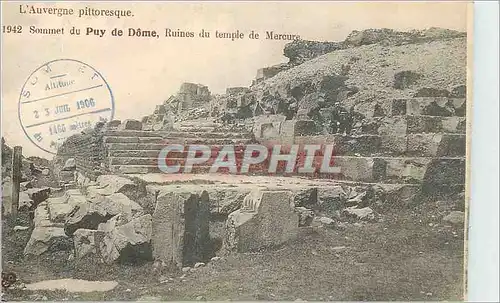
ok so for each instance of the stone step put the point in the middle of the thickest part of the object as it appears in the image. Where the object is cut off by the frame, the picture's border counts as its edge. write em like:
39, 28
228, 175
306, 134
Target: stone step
216, 135
198, 124
154, 153
430, 106
132, 139
402, 125
413, 170
419, 145
206, 141
134, 146
132, 133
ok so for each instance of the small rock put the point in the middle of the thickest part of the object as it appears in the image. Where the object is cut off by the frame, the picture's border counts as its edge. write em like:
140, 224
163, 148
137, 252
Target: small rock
364, 213
45, 171
186, 269
128, 290
200, 298
455, 217
25, 185
70, 164
215, 259
18, 227
44, 298
326, 221
199, 264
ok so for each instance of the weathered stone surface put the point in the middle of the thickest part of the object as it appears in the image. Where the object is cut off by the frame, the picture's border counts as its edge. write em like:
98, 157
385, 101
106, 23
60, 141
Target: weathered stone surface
405, 79
224, 202
365, 213
436, 145
435, 124
400, 194
117, 204
41, 215
58, 210
114, 123
25, 185
185, 218
38, 195
86, 243
442, 176
266, 219
306, 216
25, 202
110, 184
410, 170
47, 239
306, 197
85, 215
455, 217
332, 198
70, 164
300, 51
356, 168
130, 124
127, 243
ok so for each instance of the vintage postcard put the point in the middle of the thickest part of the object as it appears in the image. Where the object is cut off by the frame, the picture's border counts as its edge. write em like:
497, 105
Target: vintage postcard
275, 151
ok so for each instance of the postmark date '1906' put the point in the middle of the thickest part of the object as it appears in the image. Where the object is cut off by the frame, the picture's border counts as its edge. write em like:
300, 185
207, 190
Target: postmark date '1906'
60, 99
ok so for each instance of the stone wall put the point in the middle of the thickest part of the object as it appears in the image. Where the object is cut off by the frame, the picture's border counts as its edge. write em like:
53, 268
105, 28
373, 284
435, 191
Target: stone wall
88, 150
276, 128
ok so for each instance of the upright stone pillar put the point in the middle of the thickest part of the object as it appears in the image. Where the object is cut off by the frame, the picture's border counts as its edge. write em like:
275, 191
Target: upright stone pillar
181, 229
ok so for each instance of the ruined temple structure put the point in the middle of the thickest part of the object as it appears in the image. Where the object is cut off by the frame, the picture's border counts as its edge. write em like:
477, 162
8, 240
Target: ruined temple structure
190, 95
407, 144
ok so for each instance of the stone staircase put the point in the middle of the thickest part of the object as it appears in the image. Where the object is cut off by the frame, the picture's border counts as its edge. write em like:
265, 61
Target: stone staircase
409, 141
136, 152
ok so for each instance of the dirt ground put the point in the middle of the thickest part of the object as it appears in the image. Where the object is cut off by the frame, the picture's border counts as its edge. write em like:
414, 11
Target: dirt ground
410, 255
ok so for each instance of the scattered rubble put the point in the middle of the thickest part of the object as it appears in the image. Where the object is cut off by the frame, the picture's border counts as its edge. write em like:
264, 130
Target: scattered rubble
365, 213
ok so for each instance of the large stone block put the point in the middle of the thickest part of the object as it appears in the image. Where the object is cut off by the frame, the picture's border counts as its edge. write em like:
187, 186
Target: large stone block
130, 124
356, 168
86, 243
38, 195
85, 216
180, 228
128, 243
117, 204
266, 219
394, 126
47, 239
110, 184
59, 210
410, 170
444, 176
436, 145
432, 124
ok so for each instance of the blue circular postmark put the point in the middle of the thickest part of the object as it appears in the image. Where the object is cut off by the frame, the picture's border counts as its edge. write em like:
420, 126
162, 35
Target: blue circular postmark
60, 99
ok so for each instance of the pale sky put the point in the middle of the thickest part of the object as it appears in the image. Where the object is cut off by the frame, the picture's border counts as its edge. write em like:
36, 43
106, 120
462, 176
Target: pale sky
142, 72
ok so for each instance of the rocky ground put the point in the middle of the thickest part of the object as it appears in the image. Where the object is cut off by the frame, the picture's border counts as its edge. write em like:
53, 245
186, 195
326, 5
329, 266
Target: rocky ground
410, 255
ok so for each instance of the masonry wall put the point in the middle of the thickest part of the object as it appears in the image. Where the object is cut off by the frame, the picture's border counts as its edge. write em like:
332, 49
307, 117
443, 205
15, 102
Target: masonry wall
89, 153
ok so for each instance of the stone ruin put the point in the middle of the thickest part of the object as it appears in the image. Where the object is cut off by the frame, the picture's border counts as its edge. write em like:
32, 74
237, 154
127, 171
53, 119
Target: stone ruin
399, 151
